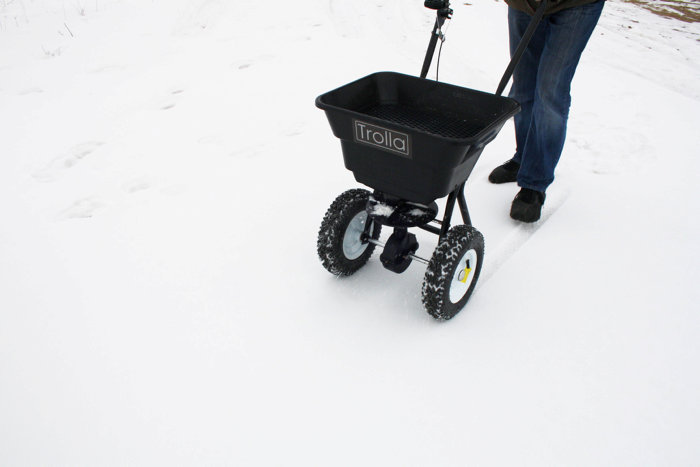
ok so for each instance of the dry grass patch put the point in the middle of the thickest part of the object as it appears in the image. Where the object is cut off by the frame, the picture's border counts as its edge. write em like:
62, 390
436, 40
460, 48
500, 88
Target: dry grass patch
683, 10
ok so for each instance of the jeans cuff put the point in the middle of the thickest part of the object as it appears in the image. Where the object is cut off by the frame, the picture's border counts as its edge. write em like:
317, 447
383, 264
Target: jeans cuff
532, 187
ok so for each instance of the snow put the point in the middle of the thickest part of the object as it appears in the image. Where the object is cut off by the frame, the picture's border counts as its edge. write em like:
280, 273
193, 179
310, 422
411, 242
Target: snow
163, 175
417, 212
383, 210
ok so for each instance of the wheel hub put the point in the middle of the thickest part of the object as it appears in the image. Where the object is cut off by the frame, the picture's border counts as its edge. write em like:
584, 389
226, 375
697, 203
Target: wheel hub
463, 277
464, 273
353, 246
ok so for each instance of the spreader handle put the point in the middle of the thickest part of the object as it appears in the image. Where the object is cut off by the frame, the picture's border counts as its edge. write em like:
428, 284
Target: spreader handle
444, 12
436, 4
529, 32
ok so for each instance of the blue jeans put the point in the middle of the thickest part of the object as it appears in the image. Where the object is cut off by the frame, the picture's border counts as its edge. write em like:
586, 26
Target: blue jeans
542, 83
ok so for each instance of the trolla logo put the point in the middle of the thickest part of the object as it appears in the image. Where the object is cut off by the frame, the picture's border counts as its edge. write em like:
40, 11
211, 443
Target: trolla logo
383, 138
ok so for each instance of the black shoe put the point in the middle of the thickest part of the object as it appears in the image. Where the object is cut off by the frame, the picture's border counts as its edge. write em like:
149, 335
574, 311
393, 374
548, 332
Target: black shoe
505, 173
527, 205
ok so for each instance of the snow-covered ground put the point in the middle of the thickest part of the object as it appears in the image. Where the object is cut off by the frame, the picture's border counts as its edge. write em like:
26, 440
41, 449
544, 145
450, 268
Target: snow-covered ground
163, 173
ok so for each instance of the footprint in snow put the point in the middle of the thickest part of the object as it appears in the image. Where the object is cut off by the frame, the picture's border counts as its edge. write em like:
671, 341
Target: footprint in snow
77, 153
82, 209
137, 185
611, 150
250, 61
295, 129
172, 100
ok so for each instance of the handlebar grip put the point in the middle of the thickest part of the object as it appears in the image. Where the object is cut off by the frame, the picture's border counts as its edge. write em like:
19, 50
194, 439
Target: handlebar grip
436, 4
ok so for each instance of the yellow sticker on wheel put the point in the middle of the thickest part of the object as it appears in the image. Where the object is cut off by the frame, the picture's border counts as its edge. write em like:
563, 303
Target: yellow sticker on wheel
467, 271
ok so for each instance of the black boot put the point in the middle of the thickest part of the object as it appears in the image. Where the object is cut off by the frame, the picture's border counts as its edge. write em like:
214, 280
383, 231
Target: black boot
527, 205
505, 173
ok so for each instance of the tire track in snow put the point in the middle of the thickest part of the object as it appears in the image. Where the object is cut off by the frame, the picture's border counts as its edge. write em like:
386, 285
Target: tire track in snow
518, 237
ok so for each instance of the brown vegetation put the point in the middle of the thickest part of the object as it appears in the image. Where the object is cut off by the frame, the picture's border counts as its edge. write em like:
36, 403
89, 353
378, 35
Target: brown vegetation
683, 10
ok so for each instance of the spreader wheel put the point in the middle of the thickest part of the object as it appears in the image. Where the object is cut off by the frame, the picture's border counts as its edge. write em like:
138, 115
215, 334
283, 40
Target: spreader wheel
340, 246
453, 271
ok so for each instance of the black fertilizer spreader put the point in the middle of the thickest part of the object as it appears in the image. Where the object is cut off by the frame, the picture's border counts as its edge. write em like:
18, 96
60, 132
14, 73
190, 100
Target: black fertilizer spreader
413, 141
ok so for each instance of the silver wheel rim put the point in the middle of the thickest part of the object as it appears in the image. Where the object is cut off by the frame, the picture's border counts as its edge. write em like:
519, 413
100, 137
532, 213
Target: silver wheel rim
352, 240
463, 276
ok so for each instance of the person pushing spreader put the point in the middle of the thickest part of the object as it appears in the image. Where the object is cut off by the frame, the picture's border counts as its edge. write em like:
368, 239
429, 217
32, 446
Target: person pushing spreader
413, 141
